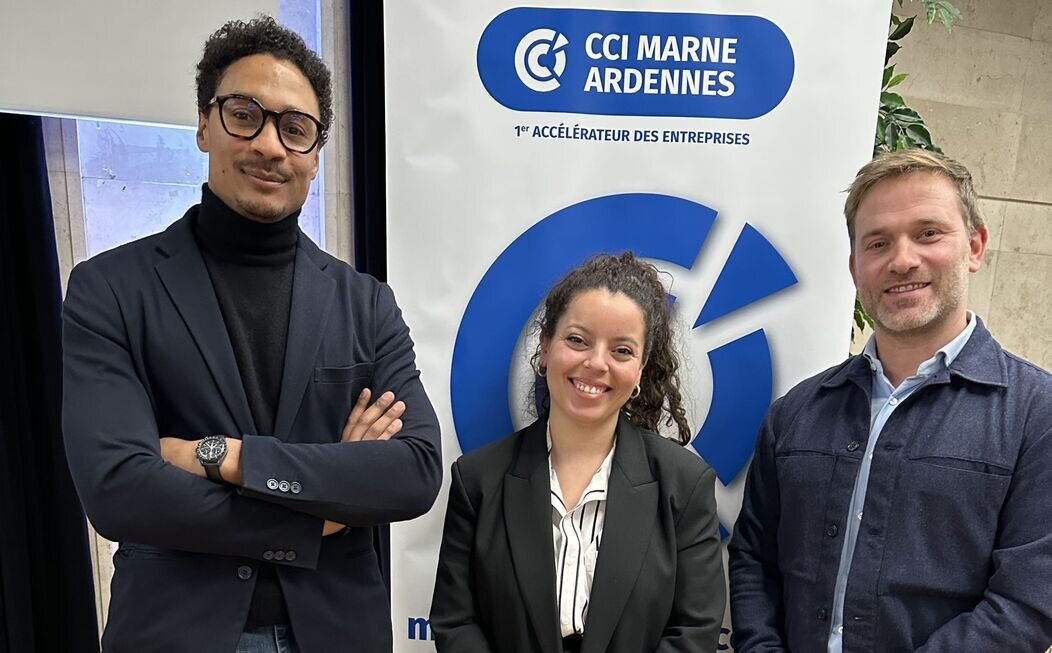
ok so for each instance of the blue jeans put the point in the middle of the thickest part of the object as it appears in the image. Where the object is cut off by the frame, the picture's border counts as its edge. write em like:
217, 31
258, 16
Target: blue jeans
268, 639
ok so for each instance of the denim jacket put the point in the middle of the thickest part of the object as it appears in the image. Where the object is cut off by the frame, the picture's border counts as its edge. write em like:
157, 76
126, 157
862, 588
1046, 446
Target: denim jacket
955, 551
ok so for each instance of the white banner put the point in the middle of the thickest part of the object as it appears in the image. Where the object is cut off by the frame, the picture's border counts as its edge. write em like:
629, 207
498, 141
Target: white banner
713, 138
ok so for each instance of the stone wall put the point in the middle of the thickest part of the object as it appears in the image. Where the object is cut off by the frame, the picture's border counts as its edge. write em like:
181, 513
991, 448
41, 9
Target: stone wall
985, 90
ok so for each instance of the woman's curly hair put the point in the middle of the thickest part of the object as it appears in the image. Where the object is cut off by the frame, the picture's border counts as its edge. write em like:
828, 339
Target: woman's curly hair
659, 394
263, 35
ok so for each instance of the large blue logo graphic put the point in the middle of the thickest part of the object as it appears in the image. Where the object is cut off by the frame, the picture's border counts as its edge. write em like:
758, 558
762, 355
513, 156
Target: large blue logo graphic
635, 63
653, 226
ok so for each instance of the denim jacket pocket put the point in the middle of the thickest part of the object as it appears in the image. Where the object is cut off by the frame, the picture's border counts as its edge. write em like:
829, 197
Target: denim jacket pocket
803, 483
943, 528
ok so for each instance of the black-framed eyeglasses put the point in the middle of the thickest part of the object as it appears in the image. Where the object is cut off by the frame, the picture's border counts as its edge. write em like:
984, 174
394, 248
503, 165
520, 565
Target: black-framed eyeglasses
244, 117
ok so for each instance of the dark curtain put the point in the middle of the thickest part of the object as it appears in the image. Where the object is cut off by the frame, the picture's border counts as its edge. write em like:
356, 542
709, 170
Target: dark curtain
367, 137
366, 30
47, 599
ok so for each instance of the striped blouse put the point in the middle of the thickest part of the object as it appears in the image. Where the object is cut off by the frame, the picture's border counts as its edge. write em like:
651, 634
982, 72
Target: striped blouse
576, 535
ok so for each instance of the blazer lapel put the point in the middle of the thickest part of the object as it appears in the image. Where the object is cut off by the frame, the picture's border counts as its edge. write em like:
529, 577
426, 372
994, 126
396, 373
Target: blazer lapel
185, 277
527, 519
631, 506
312, 297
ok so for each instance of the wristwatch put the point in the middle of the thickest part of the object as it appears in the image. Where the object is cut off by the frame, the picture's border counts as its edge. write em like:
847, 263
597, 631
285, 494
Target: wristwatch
210, 453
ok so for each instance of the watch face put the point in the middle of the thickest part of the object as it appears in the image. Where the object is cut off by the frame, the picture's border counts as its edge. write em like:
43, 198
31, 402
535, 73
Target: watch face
211, 450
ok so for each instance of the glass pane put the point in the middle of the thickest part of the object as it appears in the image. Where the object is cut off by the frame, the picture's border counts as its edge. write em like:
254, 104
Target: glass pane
136, 180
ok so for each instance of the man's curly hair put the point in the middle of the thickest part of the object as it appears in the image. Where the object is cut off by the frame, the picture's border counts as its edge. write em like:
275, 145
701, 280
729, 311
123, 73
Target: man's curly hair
262, 35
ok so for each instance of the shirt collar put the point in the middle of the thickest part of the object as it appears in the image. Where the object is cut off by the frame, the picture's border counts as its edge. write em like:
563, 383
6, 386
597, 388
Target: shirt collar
600, 480
939, 361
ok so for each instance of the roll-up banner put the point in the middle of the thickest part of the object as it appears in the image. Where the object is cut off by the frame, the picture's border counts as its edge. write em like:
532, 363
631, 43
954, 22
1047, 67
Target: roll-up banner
714, 138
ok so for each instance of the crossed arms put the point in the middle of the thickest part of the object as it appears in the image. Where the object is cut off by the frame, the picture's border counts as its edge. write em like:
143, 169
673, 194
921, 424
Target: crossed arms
132, 492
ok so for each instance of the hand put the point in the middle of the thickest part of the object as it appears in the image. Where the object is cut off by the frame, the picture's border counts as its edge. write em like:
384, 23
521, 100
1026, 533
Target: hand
331, 528
377, 422
183, 454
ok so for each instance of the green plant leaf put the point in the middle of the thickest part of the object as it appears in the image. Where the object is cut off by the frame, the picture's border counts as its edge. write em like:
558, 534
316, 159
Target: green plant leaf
920, 135
888, 73
948, 13
903, 29
904, 115
891, 135
890, 52
896, 80
892, 100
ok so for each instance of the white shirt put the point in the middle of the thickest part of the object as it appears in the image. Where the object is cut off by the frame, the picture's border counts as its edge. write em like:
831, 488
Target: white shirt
576, 536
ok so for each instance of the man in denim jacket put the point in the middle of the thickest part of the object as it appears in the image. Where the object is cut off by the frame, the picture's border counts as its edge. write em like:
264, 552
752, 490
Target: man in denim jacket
900, 500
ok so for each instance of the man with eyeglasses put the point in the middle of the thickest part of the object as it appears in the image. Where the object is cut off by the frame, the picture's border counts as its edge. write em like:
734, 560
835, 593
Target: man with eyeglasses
218, 379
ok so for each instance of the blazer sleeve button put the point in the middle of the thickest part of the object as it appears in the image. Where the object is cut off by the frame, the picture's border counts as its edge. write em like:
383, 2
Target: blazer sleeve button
244, 572
272, 483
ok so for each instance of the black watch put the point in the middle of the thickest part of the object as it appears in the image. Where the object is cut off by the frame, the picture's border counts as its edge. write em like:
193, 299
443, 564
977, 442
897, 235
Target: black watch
210, 453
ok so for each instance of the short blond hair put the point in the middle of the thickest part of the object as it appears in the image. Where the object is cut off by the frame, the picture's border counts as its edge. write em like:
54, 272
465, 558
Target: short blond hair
901, 162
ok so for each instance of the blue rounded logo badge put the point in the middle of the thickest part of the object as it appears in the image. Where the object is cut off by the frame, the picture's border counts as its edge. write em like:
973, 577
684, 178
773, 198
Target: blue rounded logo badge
635, 63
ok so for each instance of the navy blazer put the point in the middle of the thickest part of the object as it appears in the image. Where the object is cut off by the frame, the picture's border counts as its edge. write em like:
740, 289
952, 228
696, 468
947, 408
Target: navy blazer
147, 355
658, 586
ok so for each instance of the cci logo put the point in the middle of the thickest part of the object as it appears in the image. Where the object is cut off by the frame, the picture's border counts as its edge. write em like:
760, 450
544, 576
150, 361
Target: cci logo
675, 230
540, 59
635, 63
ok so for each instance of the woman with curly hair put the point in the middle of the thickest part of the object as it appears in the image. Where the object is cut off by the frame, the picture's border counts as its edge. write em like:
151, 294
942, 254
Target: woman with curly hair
588, 531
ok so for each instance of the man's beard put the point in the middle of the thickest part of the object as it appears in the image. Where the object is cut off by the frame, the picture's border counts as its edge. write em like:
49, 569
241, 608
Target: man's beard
948, 294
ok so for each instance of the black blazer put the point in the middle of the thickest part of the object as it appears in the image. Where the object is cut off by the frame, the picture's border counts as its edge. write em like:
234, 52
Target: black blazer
658, 584
147, 355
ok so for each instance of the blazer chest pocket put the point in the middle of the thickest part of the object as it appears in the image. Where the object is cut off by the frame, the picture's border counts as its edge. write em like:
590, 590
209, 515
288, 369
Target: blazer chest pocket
944, 527
362, 373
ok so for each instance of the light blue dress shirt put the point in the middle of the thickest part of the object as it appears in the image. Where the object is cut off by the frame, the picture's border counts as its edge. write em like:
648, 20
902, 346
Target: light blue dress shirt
883, 402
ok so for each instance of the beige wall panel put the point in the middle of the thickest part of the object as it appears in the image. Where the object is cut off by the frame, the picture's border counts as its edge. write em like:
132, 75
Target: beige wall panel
1043, 22
981, 286
1015, 17
60, 214
1028, 230
1033, 175
993, 212
964, 66
1037, 92
53, 157
344, 230
985, 140
1020, 306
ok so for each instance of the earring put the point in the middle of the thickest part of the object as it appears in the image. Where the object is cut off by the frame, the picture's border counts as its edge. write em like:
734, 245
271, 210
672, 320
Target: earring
542, 370
635, 393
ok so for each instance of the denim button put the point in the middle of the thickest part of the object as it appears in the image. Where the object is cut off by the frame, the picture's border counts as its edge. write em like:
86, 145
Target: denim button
244, 572
832, 530
852, 446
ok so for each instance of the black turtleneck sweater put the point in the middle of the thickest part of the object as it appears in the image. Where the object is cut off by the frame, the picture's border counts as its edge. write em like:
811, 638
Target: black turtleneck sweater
251, 265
